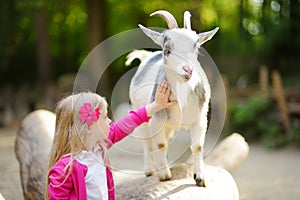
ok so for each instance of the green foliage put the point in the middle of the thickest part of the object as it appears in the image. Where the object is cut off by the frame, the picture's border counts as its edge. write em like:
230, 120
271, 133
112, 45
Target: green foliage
294, 134
259, 31
254, 119
245, 113
257, 119
274, 138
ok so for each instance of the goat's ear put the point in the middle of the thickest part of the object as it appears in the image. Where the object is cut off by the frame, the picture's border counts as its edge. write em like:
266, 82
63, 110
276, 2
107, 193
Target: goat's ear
205, 36
155, 36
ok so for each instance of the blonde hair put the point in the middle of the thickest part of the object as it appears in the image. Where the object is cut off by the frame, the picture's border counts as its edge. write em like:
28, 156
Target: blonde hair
70, 133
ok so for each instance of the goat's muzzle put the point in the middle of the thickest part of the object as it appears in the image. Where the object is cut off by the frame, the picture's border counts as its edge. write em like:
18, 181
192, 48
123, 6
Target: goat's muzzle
188, 72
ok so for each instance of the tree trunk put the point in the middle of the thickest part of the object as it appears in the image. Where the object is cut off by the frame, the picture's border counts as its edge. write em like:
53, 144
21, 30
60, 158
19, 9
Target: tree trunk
43, 54
95, 22
96, 29
195, 19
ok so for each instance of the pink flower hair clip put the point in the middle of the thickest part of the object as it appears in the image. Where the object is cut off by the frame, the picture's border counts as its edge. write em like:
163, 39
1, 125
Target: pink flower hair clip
86, 114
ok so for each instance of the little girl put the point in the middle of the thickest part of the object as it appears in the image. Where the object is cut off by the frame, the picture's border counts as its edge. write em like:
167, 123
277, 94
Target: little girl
78, 165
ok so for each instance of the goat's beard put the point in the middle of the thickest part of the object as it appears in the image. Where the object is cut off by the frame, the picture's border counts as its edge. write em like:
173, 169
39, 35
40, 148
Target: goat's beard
181, 92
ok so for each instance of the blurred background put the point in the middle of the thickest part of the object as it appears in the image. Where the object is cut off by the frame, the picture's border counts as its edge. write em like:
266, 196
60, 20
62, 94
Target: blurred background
44, 42
257, 51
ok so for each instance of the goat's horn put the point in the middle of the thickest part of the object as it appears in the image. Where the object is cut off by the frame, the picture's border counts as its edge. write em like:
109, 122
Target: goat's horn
187, 20
171, 21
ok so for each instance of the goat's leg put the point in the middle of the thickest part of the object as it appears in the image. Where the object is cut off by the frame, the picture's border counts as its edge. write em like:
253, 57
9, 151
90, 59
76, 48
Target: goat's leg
146, 139
148, 156
160, 144
198, 136
161, 163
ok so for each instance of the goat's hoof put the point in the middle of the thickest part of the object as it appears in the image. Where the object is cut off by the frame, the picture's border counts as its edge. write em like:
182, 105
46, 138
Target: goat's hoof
167, 178
199, 180
148, 174
164, 174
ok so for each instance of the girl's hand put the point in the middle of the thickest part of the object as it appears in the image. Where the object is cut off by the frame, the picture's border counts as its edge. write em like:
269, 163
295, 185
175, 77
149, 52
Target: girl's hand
161, 100
162, 95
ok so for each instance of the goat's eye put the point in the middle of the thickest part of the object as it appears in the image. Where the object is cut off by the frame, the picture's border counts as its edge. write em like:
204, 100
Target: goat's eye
167, 50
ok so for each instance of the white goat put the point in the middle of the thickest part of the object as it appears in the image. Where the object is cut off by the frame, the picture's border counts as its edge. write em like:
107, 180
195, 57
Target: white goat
177, 63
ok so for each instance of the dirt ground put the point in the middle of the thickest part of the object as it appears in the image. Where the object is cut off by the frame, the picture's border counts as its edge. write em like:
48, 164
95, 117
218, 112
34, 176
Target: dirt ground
270, 174
266, 174
10, 183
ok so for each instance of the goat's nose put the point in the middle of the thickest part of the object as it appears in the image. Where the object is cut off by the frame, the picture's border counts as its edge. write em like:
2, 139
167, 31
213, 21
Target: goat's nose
188, 69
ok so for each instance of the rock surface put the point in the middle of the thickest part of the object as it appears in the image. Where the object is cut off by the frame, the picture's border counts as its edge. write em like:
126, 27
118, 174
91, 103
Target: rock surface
1, 197
219, 185
228, 155
32, 147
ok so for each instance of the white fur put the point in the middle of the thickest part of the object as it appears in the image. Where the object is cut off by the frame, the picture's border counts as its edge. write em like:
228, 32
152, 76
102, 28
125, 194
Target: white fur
193, 96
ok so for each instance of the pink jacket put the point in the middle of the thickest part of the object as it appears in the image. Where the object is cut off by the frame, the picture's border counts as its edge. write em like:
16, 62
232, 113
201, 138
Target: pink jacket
74, 186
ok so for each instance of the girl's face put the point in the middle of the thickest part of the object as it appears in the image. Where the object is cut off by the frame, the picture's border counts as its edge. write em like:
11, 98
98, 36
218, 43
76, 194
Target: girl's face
100, 128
